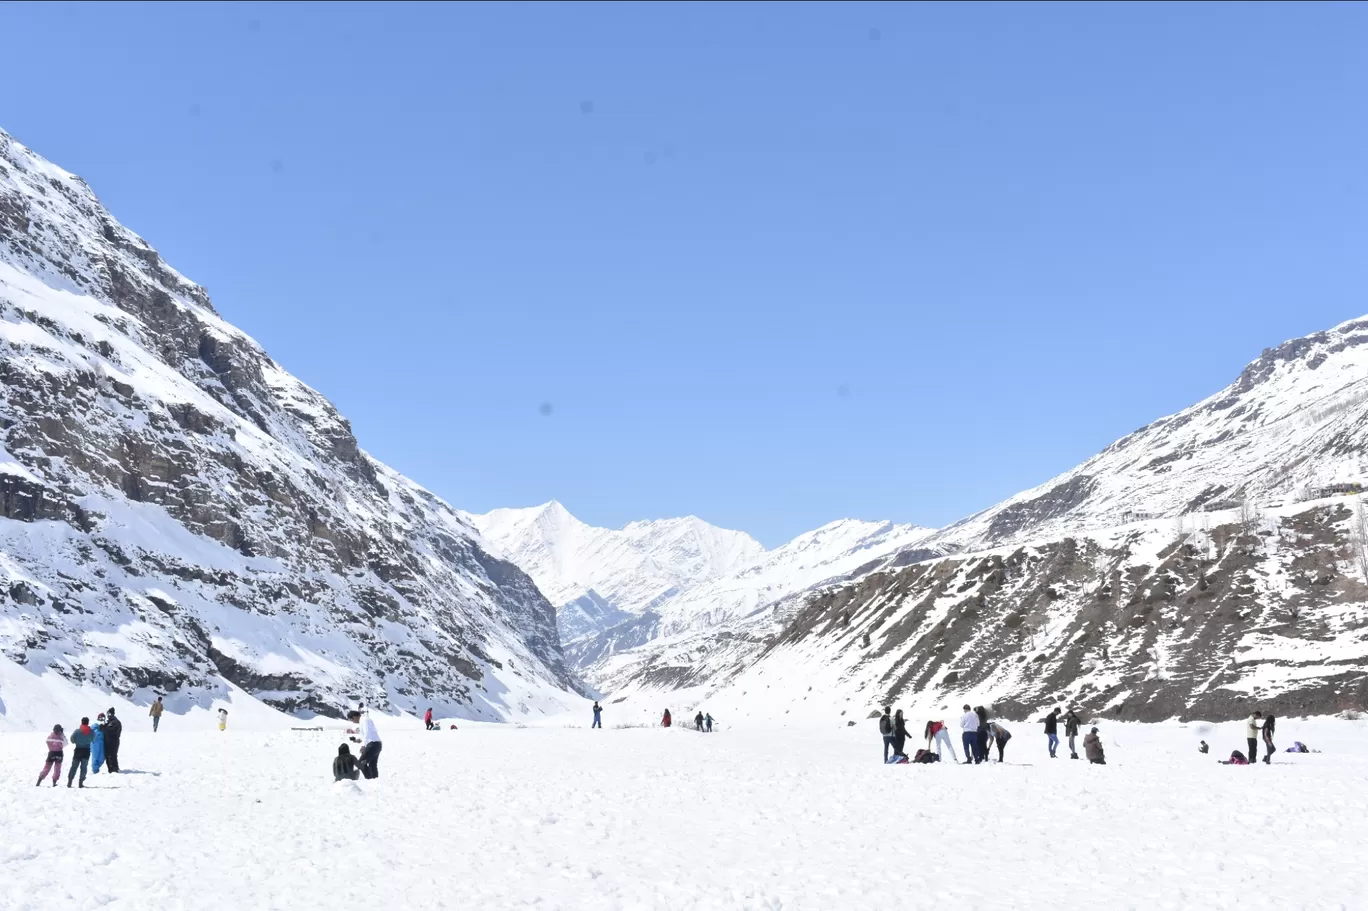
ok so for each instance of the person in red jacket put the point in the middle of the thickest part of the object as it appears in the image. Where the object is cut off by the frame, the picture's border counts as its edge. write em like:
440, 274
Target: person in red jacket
427, 719
665, 719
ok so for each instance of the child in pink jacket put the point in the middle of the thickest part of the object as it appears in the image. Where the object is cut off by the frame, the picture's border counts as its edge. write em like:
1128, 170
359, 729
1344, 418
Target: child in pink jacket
56, 741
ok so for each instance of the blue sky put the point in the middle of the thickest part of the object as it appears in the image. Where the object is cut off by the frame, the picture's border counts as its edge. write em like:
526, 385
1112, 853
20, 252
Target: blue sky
768, 264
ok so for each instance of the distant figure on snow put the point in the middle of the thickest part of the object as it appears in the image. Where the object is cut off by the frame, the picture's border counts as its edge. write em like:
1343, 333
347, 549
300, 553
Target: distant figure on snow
113, 732
81, 739
1051, 722
936, 730
1071, 725
156, 713
427, 719
223, 719
1000, 737
1252, 736
886, 730
969, 725
1269, 748
665, 719
1203, 748
598, 716
344, 766
698, 722
707, 722
370, 745
56, 742
1092, 745
97, 751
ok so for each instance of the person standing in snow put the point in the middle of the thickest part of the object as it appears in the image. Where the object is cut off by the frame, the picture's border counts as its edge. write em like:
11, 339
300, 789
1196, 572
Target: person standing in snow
707, 722
344, 766
156, 713
598, 716
981, 753
81, 739
1052, 731
886, 730
427, 719
1092, 745
1071, 724
113, 733
223, 719
97, 751
1269, 748
370, 745
899, 735
936, 730
665, 719
698, 722
56, 742
1252, 735
969, 725
1000, 737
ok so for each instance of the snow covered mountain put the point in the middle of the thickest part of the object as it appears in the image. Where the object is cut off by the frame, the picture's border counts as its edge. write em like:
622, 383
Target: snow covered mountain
179, 514
618, 589
601, 576
1213, 561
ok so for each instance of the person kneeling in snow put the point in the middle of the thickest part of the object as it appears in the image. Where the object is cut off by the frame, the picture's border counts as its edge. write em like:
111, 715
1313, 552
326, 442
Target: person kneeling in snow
1092, 745
344, 766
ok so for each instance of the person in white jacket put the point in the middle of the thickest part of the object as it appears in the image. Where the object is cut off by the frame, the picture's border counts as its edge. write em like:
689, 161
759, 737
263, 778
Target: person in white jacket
1252, 735
969, 725
370, 744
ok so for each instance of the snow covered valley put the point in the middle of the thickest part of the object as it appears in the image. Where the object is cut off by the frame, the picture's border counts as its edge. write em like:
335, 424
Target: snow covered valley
563, 817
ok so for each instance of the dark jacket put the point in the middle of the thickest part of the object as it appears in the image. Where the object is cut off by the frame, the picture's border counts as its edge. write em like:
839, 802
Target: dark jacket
1052, 723
1071, 723
113, 730
344, 766
886, 725
1092, 745
1268, 728
899, 734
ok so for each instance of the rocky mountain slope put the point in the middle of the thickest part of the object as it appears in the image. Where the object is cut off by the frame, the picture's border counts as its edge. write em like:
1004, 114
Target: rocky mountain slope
1212, 561
178, 513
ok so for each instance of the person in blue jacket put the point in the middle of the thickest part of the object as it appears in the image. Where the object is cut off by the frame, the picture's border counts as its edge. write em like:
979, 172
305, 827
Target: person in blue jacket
598, 716
97, 747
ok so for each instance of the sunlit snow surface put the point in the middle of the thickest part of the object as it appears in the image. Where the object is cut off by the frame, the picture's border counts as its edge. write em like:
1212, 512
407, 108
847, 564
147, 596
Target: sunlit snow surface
494, 817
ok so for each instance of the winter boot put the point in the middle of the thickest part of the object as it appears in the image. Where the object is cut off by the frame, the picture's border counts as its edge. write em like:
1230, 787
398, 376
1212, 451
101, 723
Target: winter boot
1073, 755
40, 782
54, 782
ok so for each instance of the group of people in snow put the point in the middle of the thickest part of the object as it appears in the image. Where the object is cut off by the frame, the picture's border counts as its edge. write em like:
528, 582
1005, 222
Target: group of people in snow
1256, 725
977, 734
702, 722
93, 747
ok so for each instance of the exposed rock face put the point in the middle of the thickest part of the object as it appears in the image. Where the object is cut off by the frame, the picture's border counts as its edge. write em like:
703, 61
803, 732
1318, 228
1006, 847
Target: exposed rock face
178, 511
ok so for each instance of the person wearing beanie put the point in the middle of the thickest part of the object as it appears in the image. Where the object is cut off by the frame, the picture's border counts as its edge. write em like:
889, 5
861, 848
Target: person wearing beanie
81, 739
56, 741
113, 731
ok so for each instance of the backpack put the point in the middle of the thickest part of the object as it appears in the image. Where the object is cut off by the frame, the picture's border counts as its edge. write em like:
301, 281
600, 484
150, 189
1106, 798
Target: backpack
885, 725
925, 756
1238, 758
896, 759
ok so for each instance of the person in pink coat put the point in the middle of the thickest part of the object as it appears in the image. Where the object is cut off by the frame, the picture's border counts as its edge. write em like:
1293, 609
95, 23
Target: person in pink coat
56, 743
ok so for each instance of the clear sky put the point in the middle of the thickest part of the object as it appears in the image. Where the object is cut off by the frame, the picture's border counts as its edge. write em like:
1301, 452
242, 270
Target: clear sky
769, 264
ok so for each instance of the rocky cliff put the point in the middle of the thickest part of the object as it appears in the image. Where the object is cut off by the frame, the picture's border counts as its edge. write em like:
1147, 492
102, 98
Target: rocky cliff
179, 513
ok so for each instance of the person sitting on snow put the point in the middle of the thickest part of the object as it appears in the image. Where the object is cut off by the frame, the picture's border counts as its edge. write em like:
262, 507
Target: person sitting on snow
1092, 746
344, 766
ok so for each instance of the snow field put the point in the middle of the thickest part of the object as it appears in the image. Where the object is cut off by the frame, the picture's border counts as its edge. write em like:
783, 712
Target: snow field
495, 817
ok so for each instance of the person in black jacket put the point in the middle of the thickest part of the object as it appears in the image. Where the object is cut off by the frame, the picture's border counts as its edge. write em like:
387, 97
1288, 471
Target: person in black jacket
1269, 748
899, 734
981, 746
113, 730
344, 766
886, 731
1052, 731
1071, 725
